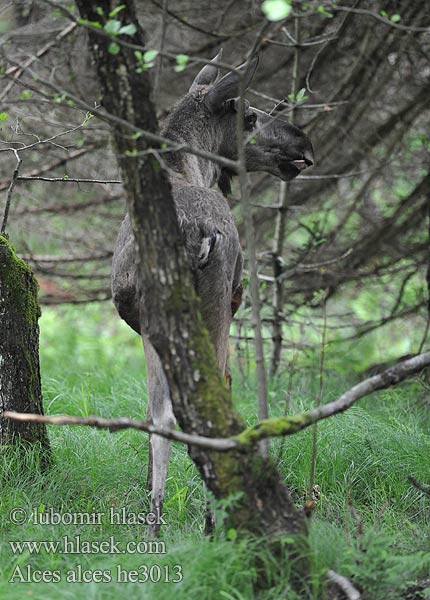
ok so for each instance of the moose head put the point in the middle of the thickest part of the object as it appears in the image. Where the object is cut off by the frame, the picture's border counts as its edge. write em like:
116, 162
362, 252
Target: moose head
273, 145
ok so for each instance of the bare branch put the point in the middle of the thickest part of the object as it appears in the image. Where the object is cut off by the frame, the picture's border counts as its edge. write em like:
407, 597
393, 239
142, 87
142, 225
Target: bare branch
263, 407
46, 258
147, 135
113, 425
289, 425
378, 17
16, 72
68, 180
67, 208
49, 167
10, 190
277, 427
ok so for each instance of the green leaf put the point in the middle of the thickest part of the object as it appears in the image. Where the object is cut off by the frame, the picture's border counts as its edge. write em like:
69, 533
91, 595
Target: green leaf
113, 48
396, 18
232, 534
383, 13
25, 95
116, 10
276, 10
99, 11
112, 26
3, 116
150, 55
138, 54
300, 96
95, 24
324, 12
128, 29
182, 59
88, 118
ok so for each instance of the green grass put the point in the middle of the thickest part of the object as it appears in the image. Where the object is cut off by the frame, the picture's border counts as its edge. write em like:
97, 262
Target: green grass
92, 364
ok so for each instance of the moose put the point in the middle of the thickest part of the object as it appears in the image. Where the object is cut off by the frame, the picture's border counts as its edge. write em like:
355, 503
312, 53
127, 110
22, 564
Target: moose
205, 118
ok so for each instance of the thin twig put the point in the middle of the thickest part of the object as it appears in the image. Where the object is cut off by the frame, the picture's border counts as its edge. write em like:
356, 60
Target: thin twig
67, 208
46, 258
55, 164
159, 65
263, 408
16, 72
317, 404
68, 180
281, 217
10, 190
378, 17
148, 135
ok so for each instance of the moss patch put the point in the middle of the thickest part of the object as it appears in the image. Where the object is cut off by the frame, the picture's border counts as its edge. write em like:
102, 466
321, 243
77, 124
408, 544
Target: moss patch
271, 428
18, 282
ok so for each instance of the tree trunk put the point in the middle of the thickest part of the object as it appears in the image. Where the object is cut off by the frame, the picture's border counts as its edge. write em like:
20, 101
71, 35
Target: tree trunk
20, 387
202, 403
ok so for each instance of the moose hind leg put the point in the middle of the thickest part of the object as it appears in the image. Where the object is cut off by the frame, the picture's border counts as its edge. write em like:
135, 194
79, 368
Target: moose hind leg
160, 412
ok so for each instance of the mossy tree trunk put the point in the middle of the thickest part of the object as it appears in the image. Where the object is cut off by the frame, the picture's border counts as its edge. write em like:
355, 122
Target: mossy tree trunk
20, 387
202, 403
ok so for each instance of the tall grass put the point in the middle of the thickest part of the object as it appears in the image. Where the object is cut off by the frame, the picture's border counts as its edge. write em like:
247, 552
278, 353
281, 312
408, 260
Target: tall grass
92, 364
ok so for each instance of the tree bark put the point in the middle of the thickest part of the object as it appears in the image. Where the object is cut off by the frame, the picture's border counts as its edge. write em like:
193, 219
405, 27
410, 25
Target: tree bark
20, 387
202, 403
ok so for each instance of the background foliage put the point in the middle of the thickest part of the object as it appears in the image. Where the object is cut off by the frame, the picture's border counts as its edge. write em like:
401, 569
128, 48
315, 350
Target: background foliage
354, 267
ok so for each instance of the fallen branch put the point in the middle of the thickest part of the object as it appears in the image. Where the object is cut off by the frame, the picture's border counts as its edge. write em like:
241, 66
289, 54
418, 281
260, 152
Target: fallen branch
422, 487
277, 427
345, 585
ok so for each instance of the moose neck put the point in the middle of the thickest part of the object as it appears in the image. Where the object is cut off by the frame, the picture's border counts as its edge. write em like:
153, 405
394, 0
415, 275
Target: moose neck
191, 124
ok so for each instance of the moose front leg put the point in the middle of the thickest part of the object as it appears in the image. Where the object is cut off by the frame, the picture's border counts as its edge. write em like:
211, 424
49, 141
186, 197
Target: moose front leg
160, 412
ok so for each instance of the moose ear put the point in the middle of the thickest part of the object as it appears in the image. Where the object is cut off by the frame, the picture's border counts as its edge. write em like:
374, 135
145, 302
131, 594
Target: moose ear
208, 74
228, 86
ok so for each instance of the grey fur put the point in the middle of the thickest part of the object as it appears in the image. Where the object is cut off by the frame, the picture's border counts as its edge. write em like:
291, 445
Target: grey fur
204, 119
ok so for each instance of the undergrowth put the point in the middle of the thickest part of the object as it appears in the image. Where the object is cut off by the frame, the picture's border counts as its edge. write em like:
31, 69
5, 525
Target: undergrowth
370, 523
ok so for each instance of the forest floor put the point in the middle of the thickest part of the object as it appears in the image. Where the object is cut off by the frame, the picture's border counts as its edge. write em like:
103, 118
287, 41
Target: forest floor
370, 523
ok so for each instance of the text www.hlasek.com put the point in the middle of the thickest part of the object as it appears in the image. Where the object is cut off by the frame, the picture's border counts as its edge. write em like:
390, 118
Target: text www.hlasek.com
76, 545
